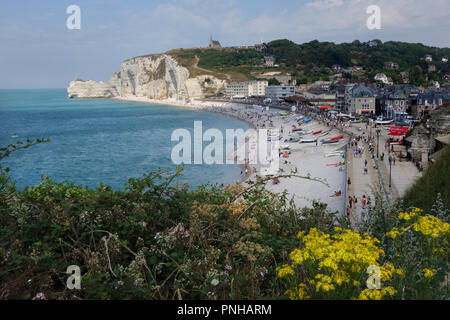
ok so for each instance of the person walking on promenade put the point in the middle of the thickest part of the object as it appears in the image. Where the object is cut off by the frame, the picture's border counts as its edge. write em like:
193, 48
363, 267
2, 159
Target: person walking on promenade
365, 163
350, 202
363, 214
393, 159
364, 201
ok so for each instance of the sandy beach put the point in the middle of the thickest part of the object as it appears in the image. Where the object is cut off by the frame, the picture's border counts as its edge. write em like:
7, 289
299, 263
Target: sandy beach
308, 158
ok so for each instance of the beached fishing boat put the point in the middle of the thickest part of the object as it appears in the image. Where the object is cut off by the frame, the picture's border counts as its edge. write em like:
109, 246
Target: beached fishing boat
304, 133
317, 132
308, 141
384, 123
329, 141
307, 120
323, 134
292, 140
337, 138
331, 155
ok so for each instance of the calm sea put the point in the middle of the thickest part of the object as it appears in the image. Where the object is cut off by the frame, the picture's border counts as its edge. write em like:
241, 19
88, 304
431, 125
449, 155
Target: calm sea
98, 140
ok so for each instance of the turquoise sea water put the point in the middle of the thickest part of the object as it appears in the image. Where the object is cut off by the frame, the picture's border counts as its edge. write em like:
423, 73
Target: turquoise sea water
99, 140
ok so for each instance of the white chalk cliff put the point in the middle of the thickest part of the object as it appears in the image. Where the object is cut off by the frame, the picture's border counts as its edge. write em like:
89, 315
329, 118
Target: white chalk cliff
154, 76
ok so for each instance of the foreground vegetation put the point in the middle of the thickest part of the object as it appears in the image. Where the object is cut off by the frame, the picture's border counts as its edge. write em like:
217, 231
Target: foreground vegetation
159, 240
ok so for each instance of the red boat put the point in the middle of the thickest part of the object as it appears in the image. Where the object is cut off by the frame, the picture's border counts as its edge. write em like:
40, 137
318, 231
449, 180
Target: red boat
337, 138
399, 128
317, 132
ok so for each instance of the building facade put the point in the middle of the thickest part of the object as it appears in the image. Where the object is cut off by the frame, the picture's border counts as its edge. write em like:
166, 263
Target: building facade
269, 61
362, 100
279, 92
257, 88
430, 100
214, 44
242, 90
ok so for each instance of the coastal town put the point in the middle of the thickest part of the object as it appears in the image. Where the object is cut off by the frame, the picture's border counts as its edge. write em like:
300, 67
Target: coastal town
386, 120
161, 150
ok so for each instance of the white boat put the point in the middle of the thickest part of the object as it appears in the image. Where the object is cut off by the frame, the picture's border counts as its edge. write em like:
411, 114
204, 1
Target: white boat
304, 133
334, 154
323, 134
384, 123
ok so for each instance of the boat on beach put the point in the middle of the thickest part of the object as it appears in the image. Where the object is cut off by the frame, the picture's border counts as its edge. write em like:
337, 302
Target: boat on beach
304, 133
384, 122
308, 141
337, 138
334, 154
323, 134
329, 141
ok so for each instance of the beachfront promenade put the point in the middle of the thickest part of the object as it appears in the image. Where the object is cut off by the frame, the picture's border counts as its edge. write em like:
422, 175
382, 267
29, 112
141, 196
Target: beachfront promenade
367, 184
311, 159
403, 173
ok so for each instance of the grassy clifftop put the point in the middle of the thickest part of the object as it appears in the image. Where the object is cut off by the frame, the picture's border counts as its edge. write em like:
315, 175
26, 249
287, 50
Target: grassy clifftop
435, 180
299, 59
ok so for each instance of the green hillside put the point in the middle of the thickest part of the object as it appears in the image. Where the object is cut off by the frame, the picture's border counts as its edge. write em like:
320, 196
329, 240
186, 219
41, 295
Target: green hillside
299, 59
435, 180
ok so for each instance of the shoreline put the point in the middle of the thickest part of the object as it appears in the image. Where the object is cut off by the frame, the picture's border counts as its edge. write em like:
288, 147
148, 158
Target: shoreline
307, 159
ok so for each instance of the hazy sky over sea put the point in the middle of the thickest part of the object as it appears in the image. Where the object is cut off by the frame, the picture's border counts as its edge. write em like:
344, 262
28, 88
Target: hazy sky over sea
38, 51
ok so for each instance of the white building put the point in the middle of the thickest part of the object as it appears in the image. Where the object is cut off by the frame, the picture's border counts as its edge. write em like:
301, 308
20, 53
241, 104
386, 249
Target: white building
383, 78
257, 88
278, 92
241, 90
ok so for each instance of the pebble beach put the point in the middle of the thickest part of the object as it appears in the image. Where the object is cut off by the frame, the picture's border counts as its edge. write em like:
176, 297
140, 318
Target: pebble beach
308, 159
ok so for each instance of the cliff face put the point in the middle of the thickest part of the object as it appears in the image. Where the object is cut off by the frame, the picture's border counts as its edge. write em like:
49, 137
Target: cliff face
156, 77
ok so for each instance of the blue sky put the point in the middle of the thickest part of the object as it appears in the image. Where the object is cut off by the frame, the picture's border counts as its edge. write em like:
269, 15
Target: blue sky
38, 51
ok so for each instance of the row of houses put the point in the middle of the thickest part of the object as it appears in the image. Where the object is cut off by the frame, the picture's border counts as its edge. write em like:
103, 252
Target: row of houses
391, 102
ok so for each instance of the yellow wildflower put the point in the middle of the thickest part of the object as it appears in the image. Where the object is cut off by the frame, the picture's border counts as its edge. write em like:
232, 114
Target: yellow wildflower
394, 233
432, 226
427, 273
284, 271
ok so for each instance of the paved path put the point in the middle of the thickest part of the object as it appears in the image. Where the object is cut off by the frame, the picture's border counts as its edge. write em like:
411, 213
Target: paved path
404, 173
361, 184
